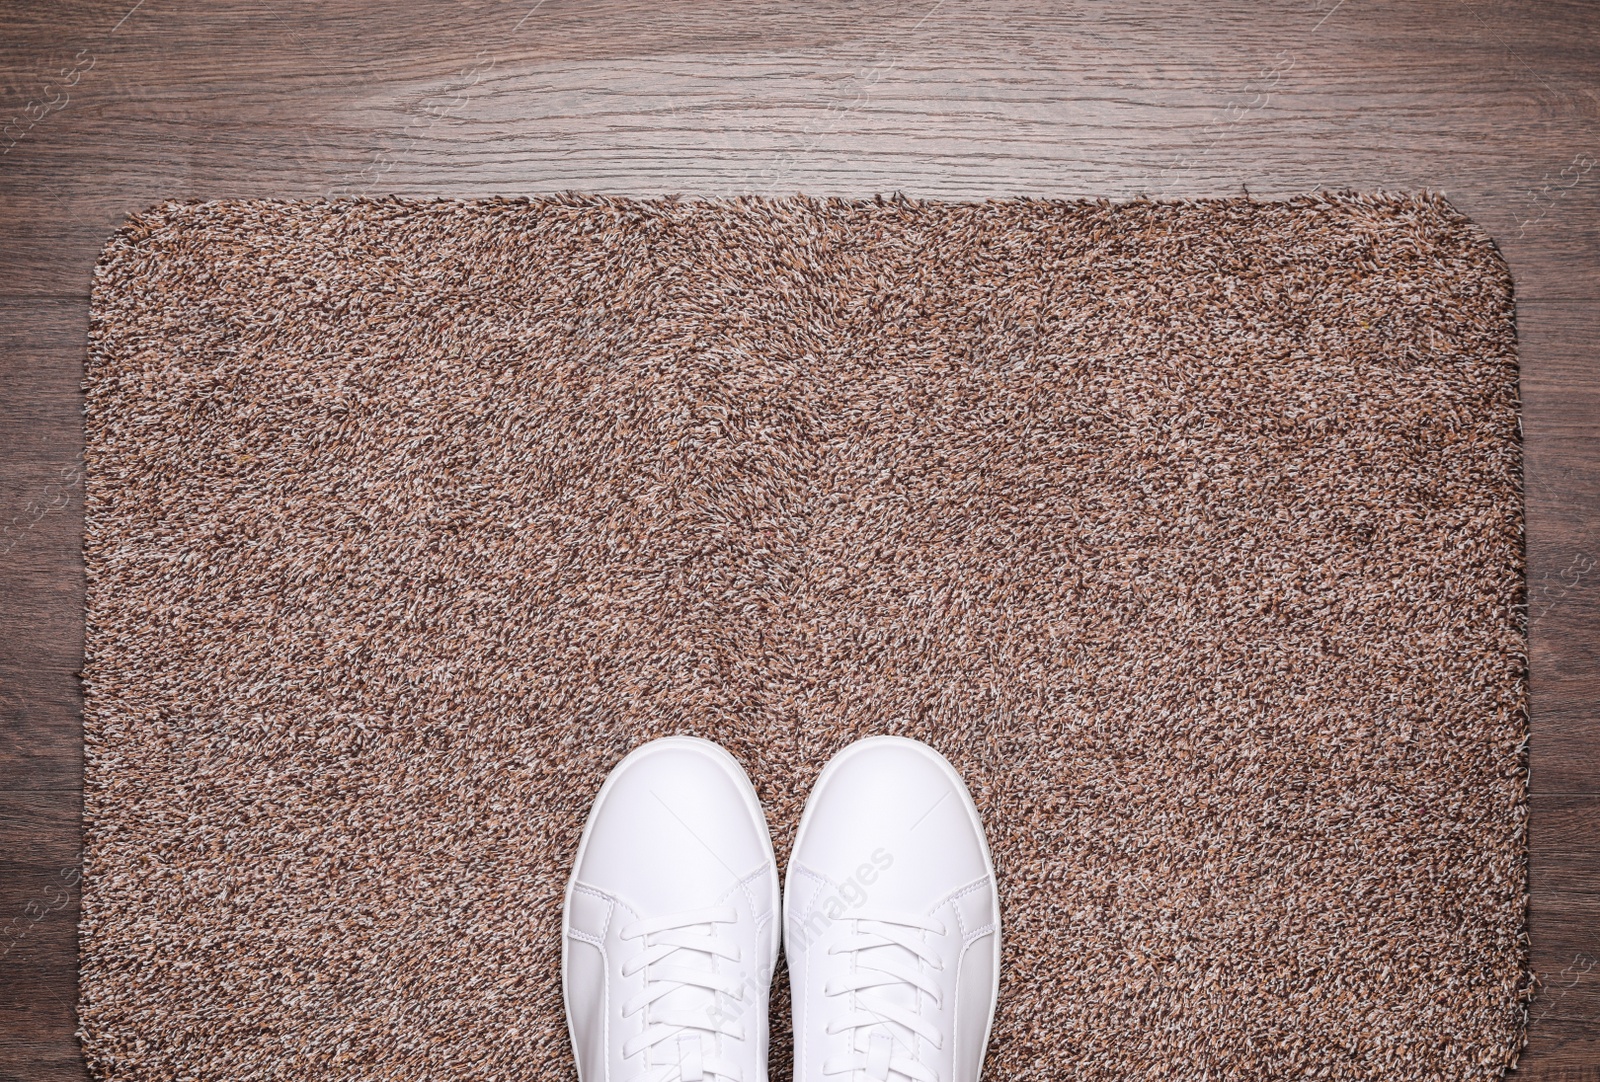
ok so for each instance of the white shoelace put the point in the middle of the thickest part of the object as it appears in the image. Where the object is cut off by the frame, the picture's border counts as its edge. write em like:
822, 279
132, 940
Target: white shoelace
671, 944
872, 1016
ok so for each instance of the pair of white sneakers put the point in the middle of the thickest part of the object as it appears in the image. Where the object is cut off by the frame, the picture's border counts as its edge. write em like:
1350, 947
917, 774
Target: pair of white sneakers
890, 921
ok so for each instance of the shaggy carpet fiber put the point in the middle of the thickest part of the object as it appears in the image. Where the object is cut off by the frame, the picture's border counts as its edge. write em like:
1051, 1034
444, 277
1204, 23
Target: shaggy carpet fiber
1190, 532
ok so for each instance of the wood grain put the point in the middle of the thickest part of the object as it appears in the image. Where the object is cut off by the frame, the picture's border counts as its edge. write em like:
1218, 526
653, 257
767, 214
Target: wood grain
108, 107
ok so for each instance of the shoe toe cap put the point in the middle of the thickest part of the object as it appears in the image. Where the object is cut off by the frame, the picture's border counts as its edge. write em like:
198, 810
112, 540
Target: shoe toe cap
675, 827
895, 812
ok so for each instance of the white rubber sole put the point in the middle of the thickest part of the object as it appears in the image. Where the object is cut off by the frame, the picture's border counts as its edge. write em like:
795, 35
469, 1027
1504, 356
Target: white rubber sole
950, 772
752, 804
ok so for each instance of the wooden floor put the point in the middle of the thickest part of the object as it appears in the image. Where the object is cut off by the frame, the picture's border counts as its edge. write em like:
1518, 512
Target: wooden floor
109, 106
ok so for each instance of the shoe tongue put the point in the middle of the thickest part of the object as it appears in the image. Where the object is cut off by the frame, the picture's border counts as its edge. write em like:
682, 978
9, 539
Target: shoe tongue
688, 999
691, 1057
894, 958
880, 1048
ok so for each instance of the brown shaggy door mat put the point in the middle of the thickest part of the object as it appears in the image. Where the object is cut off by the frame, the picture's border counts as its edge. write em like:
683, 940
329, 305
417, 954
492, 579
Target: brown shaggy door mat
1191, 533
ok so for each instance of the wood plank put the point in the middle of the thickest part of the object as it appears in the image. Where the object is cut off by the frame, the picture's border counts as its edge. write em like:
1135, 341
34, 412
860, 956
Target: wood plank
1560, 1052
1491, 107
42, 344
39, 904
41, 538
1565, 736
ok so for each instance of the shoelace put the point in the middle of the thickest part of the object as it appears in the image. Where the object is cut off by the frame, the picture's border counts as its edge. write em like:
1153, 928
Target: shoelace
695, 1028
886, 1052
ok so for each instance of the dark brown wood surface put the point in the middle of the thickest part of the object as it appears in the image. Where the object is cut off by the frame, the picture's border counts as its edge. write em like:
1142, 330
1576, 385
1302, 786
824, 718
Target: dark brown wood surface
110, 106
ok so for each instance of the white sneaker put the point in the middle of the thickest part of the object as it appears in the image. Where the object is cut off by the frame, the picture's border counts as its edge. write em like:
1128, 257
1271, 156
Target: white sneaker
669, 928
891, 921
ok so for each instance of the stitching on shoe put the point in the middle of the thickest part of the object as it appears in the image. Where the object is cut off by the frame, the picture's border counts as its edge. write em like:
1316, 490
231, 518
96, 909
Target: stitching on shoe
743, 886
801, 1043
616, 904
821, 881
953, 901
579, 888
